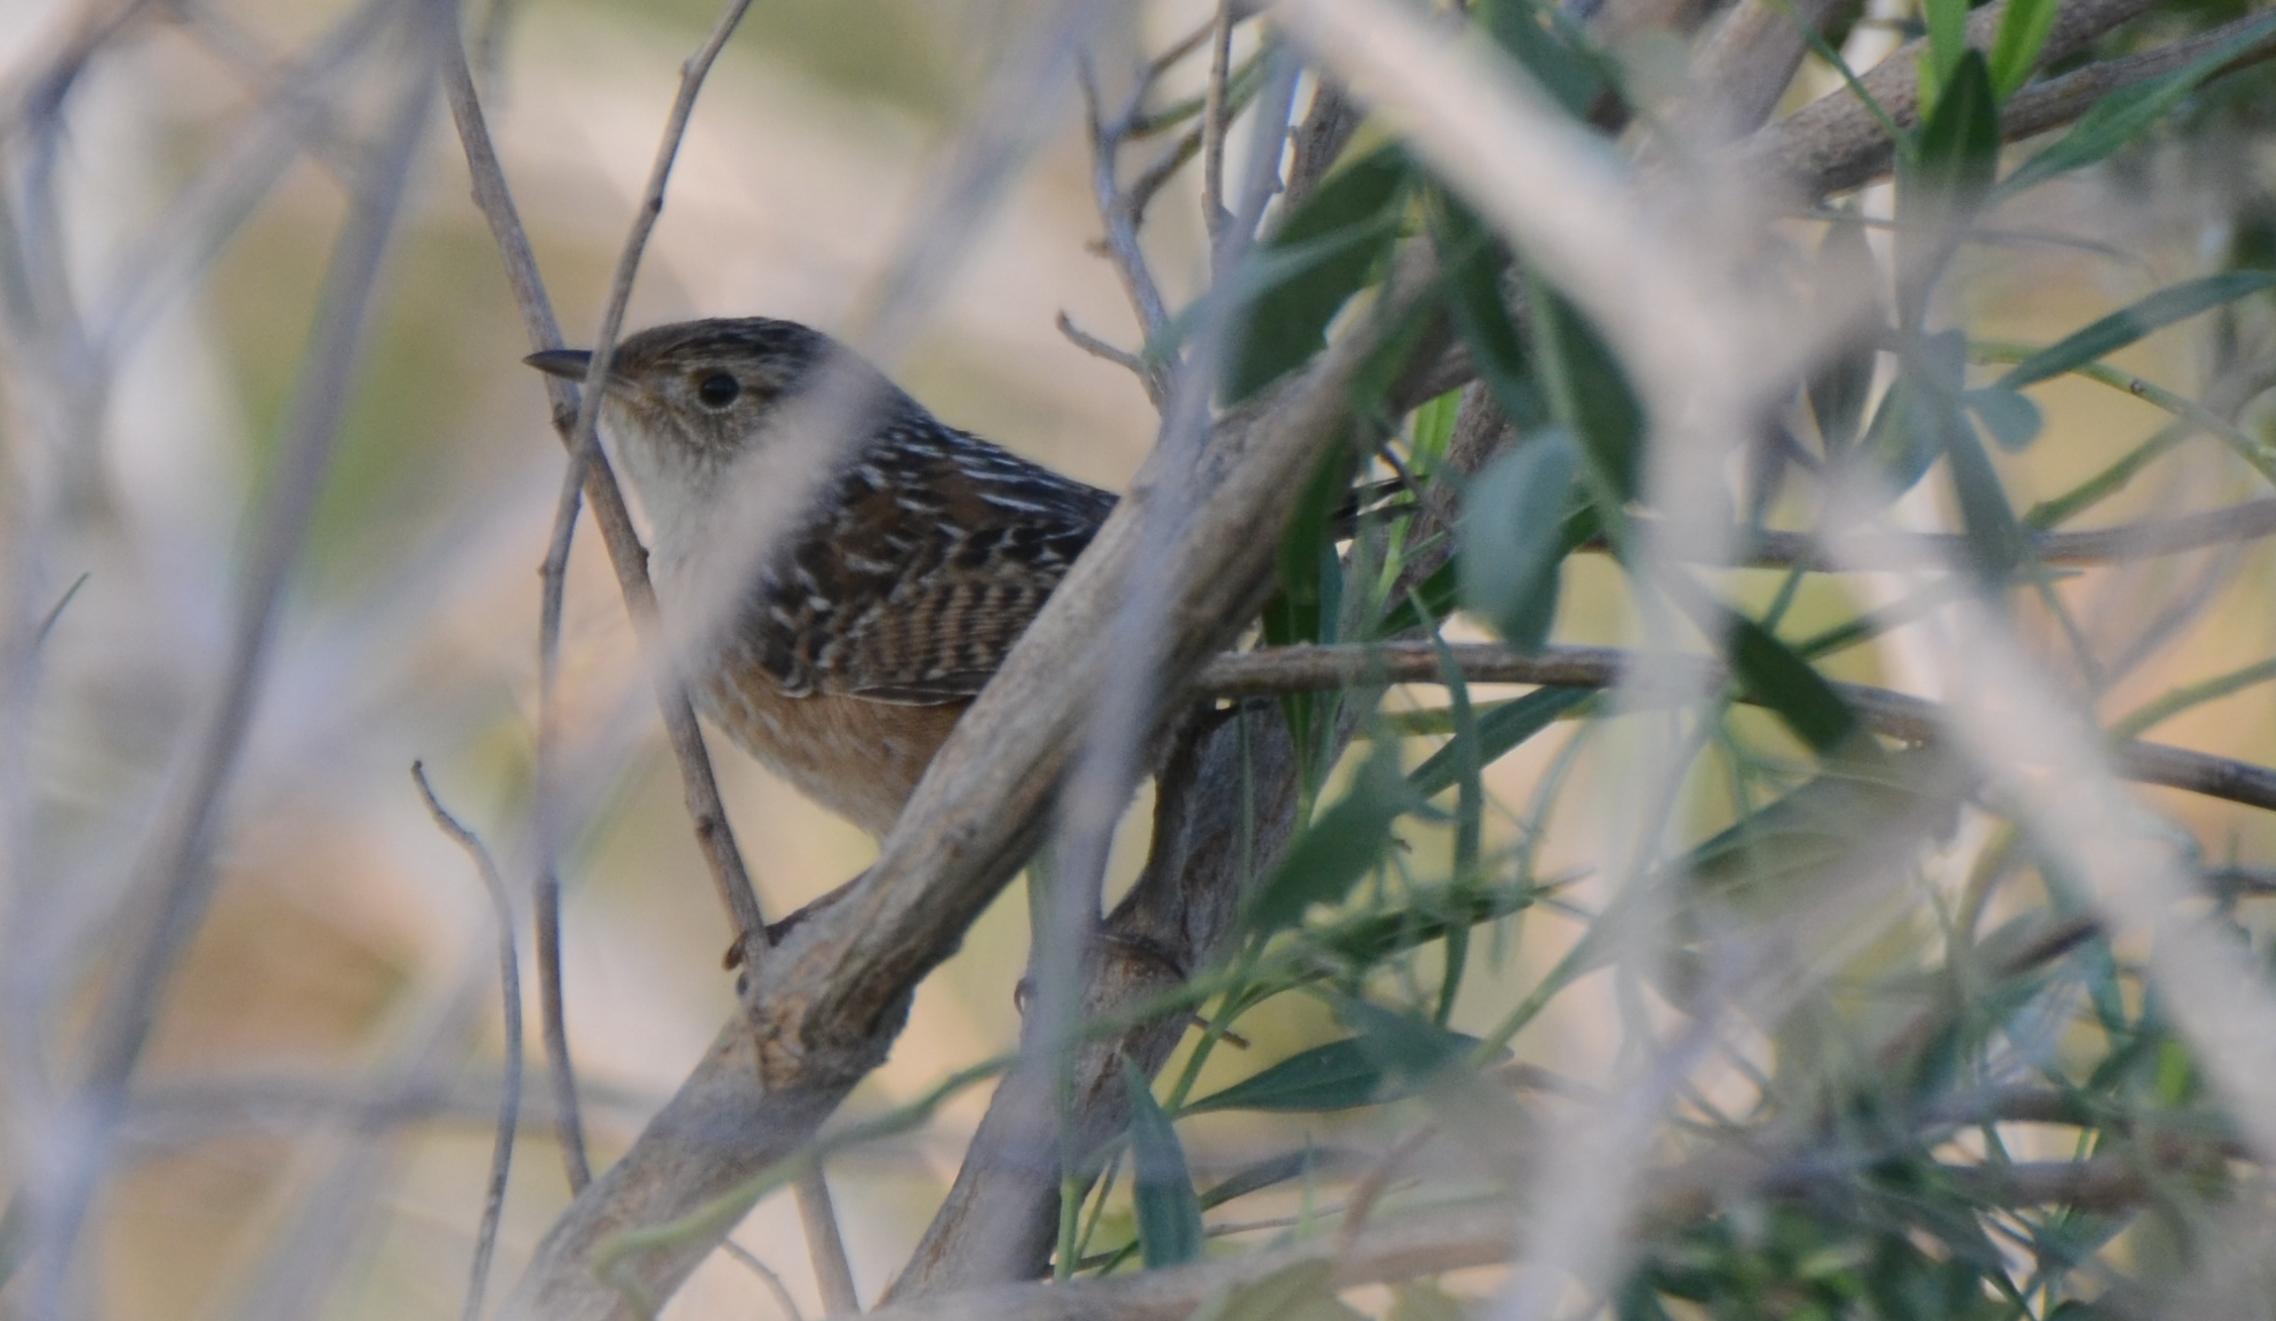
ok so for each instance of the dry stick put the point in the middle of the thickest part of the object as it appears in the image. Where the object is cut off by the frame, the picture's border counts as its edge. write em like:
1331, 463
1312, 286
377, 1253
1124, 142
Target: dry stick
510, 984
181, 856
767, 1277
577, 421
1303, 669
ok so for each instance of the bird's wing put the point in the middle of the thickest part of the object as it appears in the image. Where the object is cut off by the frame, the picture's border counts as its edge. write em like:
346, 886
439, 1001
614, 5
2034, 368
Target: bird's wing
940, 552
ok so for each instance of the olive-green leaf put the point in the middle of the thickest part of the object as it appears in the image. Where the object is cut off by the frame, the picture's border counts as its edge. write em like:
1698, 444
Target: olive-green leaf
1333, 239
1169, 1215
1589, 393
2022, 35
1512, 535
1341, 846
1528, 30
2124, 115
2012, 419
1957, 151
1839, 387
1498, 731
2131, 323
1344, 1074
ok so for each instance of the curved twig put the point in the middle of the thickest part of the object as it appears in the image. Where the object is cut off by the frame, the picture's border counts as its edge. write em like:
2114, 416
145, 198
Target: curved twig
510, 984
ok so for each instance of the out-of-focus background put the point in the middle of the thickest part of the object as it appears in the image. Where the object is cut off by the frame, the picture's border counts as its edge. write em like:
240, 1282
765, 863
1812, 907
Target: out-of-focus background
276, 1149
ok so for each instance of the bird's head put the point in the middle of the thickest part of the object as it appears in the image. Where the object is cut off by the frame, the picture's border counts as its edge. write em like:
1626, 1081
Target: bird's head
685, 401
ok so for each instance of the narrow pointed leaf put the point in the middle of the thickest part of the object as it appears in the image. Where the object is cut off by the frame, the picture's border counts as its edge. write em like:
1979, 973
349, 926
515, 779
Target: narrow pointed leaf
2122, 116
1169, 1214
2129, 324
1512, 536
1337, 235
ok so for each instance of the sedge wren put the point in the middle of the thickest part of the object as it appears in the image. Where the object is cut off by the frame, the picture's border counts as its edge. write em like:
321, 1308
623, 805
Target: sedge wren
888, 600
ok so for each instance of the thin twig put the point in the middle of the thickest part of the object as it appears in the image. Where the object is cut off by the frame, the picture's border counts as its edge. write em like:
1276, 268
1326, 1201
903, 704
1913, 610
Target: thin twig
1278, 671
2150, 538
1214, 121
510, 985
1128, 259
713, 830
713, 833
1099, 348
767, 1277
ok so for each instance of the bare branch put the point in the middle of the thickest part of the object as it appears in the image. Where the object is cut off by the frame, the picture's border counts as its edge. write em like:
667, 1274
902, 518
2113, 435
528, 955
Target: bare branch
1836, 143
510, 985
1281, 670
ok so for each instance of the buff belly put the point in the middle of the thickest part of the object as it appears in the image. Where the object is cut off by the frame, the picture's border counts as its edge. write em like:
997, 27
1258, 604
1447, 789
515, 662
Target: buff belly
859, 758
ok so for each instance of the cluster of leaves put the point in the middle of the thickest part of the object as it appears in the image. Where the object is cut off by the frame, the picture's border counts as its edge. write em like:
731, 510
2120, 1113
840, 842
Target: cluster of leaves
1884, 1084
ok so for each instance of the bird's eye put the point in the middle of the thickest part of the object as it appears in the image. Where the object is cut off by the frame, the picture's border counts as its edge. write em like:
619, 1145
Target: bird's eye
718, 390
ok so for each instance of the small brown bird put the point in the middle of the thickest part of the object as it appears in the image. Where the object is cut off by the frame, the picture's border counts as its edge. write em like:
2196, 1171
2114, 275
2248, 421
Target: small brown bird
890, 597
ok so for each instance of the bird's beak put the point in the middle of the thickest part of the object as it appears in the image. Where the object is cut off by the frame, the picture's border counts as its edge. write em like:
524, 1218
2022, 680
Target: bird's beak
570, 363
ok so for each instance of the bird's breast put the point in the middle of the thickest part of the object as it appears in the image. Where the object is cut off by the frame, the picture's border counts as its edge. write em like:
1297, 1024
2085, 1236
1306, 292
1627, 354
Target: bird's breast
859, 758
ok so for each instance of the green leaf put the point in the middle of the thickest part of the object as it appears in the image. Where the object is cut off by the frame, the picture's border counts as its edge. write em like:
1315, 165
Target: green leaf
1838, 390
1942, 181
1499, 731
1947, 46
1528, 32
1427, 915
1333, 240
1903, 440
1169, 1215
2013, 420
1344, 1075
1921, 411
2123, 115
1339, 848
1589, 393
1512, 536
1958, 148
1770, 671
1995, 539
1482, 316
2131, 323
2022, 35
1850, 815
1302, 1292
